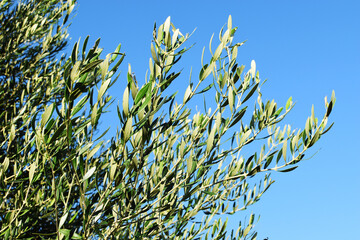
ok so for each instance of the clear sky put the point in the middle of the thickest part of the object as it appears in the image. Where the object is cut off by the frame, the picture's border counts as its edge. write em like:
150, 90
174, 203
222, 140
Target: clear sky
305, 49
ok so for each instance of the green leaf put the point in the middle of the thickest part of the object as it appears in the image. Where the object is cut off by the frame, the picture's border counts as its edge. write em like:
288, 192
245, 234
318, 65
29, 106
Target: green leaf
312, 113
12, 132
277, 113
234, 56
89, 173
250, 93
247, 230
57, 133
217, 52
32, 171
94, 150
153, 54
84, 46
63, 219
210, 140
79, 105
307, 126
206, 89
113, 168
75, 52
229, 23
174, 37
289, 169
238, 116
187, 93
94, 114
206, 70
90, 66
189, 166
160, 32
329, 108
327, 129
143, 91
210, 193
103, 88
66, 232
116, 53
251, 220
74, 74
269, 159
288, 103
144, 104
5, 164
167, 25
69, 131
104, 66
253, 68
127, 129
168, 80
333, 99
76, 236
47, 114
125, 102
314, 139
117, 64
79, 88
231, 98
85, 148
218, 121
284, 148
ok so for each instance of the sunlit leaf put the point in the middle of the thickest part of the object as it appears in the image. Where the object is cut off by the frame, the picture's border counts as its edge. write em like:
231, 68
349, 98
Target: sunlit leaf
103, 88
89, 173
125, 102
253, 68
288, 103
47, 114
210, 140
63, 219
284, 149
206, 70
143, 91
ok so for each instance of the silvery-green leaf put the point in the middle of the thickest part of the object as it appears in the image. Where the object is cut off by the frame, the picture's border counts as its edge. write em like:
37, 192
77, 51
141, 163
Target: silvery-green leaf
253, 68
47, 114
89, 173
63, 219
103, 88
125, 102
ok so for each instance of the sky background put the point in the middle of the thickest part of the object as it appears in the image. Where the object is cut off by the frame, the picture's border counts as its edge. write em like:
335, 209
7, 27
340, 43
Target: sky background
305, 49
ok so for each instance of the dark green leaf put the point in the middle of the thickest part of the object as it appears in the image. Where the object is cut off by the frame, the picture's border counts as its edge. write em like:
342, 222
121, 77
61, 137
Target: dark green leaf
327, 129
288, 169
250, 93
314, 139
238, 116
75, 53
91, 66
59, 131
328, 111
84, 46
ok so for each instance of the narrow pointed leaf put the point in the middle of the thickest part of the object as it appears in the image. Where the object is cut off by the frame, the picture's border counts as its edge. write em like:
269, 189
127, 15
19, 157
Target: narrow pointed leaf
89, 173
250, 93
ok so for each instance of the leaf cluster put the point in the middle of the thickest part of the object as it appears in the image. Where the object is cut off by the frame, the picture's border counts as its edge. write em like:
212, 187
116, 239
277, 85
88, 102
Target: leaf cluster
167, 173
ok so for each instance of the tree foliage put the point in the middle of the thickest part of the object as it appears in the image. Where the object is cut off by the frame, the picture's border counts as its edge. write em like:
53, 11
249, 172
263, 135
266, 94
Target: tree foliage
167, 173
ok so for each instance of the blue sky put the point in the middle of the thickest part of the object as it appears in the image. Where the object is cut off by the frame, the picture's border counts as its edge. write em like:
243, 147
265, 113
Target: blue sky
305, 49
